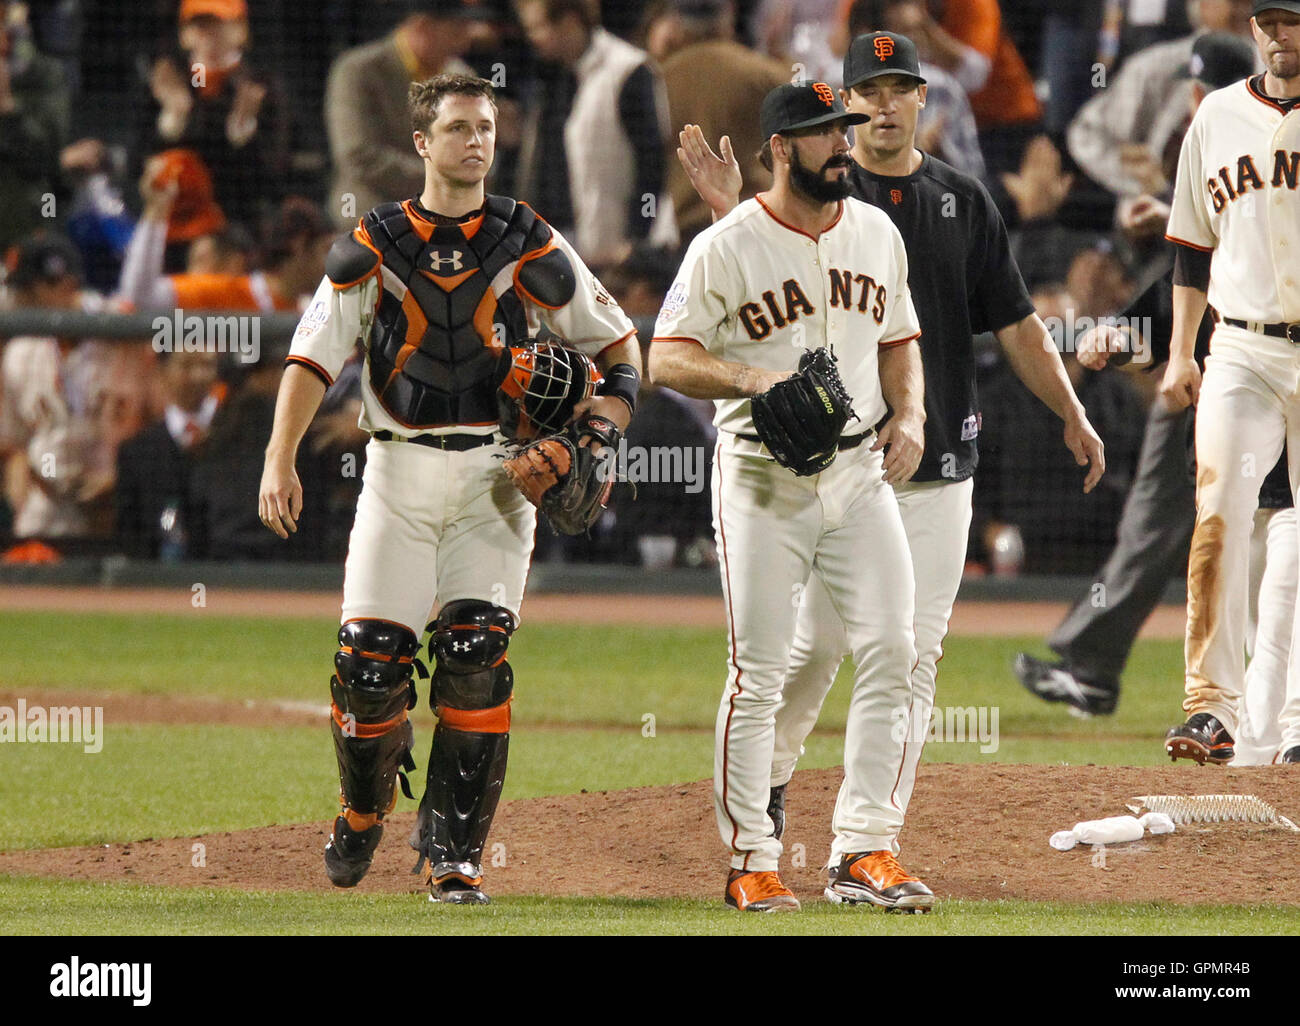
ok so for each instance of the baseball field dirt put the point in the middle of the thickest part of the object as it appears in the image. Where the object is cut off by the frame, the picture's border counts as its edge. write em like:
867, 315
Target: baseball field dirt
973, 832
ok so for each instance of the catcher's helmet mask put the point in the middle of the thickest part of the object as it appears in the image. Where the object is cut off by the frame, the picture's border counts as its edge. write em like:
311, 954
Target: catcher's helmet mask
542, 385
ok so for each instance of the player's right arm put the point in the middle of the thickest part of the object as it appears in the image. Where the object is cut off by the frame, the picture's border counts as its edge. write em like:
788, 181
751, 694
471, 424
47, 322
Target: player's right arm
339, 313
683, 353
1181, 384
684, 366
1191, 227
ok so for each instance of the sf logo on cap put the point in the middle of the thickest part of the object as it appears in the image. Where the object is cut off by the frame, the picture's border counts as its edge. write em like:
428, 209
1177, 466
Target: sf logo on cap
884, 47
824, 93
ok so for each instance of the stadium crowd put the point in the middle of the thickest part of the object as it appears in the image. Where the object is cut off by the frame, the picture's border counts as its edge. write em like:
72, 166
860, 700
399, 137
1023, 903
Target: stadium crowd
203, 155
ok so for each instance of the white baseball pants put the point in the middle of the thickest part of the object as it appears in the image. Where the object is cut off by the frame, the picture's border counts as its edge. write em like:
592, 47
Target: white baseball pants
1274, 563
776, 533
936, 517
1249, 405
435, 526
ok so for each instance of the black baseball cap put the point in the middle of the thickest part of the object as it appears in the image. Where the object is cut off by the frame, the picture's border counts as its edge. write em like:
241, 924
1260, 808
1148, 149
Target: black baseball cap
1221, 58
797, 105
880, 53
43, 258
1278, 5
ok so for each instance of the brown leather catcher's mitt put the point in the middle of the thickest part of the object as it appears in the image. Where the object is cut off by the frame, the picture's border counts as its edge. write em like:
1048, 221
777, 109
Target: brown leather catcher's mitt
568, 481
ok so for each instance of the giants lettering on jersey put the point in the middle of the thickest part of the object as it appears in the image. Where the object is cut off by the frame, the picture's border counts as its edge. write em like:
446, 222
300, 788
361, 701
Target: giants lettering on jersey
844, 287
1224, 190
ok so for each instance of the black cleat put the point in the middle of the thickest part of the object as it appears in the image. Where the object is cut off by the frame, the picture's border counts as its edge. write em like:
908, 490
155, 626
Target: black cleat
348, 852
1055, 682
1291, 755
776, 809
457, 883
1203, 739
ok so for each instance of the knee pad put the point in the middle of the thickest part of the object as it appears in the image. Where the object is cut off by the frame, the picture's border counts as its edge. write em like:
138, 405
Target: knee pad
375, 667
472, 682
372, 691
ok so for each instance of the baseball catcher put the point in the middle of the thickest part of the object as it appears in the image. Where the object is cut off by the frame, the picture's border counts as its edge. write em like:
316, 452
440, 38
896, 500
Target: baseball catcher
561, 463
800, 419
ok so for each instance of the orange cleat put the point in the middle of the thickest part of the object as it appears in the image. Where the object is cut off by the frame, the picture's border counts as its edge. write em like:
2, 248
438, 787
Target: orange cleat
876, 877
759, 892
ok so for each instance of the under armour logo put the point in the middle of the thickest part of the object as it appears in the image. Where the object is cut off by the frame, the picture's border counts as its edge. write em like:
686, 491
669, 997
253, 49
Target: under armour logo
436, 261
824, 93
884, 47
460, 646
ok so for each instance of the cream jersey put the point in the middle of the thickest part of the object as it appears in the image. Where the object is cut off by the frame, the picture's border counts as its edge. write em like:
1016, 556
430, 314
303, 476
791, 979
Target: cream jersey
337, 318
1236, 195
754, 290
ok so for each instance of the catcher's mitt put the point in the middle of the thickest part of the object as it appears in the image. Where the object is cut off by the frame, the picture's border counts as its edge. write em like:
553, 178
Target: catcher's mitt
800, 419
566, 480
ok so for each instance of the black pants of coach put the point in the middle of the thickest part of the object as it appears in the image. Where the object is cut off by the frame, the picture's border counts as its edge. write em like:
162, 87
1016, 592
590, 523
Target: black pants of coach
1155, 530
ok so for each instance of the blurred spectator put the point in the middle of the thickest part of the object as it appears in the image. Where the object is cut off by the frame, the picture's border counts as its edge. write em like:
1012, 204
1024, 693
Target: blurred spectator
1129, 26
1073, 46
593, 160
366, 114
154, 510
228, 471
208, 99
696, 44
192, 210
798, 33
947, 125
34, 113
228, 250
98, 222
65, 405
967, 39
1113, 137
295, 240
1022, 480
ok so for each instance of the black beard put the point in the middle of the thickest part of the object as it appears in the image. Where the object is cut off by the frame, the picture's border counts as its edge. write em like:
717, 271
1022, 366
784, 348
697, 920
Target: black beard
813, 185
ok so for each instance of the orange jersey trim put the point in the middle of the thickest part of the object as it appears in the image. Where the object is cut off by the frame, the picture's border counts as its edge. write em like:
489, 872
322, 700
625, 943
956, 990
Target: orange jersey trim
1267, 101
616, 342
1189, 245
899, 341
312, 366
807, 235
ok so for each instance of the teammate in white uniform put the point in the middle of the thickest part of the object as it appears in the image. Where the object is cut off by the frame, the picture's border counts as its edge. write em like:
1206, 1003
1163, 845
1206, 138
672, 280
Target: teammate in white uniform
800, 267
1236, 220
436, 287
958, 247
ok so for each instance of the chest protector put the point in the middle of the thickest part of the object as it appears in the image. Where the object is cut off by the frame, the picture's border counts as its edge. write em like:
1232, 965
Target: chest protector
451, 303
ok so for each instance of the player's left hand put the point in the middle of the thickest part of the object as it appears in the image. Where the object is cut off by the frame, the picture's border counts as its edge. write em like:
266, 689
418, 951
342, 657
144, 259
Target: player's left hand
905, 437
1087, 447
609, 406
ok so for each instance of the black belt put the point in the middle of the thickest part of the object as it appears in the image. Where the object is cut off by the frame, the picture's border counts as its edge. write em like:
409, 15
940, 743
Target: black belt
448, 443
1290, 332
849, 442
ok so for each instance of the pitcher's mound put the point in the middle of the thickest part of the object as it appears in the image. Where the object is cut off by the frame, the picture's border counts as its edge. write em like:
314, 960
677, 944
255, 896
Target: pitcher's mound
973, 832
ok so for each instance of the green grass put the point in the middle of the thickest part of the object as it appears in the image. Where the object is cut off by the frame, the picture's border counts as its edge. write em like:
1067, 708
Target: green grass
582, 698
564, 674
154, 780
30, 906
